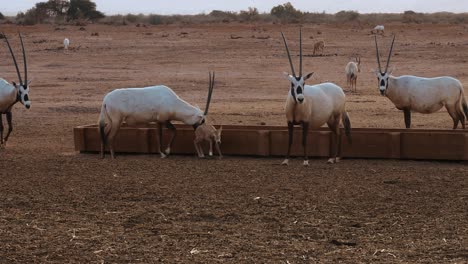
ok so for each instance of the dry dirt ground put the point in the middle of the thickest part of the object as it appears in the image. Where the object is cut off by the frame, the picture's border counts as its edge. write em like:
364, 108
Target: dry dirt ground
60, 206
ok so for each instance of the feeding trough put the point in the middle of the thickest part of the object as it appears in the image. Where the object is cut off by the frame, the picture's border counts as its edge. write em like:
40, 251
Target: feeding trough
266, 141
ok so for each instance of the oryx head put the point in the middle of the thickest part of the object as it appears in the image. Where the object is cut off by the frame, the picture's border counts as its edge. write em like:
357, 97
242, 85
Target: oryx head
297, 82
382, 76
217, 135
358, 62
22, 87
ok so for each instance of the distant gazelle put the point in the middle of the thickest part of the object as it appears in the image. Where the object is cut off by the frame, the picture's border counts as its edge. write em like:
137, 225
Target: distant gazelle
311, 106
352, 69
142, 106
318, 47
207, 132
423, 95
10, 94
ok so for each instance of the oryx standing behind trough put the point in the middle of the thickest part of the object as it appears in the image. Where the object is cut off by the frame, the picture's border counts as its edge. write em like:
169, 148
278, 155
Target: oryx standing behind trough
352, 69
10, 94
311, 106
158, 104
423, 95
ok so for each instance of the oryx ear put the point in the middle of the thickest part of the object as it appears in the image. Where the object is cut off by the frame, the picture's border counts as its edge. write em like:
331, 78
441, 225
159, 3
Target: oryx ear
220, 130
14, 83
289, 76
29, 82
308, 76
391, 70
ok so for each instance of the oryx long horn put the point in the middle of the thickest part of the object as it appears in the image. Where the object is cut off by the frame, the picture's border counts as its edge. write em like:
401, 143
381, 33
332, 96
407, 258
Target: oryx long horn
390, 54
14, 59
210, 91
289, 54
24, 61
378, 54
300, 52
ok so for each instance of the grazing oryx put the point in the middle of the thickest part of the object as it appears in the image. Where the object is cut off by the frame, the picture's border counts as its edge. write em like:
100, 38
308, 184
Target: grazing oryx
141, 106
379, 29
10, 94
423, 95
319, 47
352, 69
206, 132
312, 106
66, 43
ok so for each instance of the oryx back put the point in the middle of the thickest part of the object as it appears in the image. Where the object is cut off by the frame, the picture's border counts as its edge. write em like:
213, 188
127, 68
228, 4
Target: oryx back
7, 95
424, 95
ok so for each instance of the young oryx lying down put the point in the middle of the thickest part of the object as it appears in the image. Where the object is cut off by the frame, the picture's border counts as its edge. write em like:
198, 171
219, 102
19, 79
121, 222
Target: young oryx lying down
422, 95
10, 94
206, 132
311, 106
141, 106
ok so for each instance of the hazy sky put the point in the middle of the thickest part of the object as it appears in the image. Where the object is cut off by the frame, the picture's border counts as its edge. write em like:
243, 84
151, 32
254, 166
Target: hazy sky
200, 6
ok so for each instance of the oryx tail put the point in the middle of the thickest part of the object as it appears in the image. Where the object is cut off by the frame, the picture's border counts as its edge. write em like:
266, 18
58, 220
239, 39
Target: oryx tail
102, 126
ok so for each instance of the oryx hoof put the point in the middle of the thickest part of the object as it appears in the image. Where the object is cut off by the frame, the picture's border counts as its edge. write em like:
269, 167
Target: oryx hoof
220, 157
201, 157
306, 163
168, 151
210, 154
163, 156
337, 160
285, 162
331, 160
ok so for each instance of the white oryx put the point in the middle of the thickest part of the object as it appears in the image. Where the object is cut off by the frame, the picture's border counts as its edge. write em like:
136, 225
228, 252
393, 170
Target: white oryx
423, 95
10, 94
142, 106
352, 69
66, 43
311, 106
379, 29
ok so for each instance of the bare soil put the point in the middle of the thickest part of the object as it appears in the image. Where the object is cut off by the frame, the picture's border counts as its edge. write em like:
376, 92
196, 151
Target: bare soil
61, 206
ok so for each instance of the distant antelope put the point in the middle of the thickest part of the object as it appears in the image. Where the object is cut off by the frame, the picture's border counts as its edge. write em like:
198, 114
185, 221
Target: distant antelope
206, 132
311, 106
11, 94
352, 69
423, 95
379, 29
66, 43
141, 106
318, 47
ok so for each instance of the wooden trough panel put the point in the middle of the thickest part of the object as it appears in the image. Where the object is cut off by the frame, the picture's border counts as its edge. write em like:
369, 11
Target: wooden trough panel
273, 141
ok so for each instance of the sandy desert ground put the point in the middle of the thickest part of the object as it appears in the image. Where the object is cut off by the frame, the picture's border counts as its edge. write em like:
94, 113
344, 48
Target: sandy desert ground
61, 206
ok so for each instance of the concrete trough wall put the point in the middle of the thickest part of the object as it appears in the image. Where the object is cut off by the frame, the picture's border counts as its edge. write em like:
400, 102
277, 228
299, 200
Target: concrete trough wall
272, 141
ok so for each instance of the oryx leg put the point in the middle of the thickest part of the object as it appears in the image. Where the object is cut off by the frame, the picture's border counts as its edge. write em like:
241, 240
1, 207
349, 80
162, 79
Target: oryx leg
9, 117
407, 114
172, 128
199, 149
111, 137
160, 138
219, 150
454, 115
1, 129
334, 125
290, 140
210, 153
305, 132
